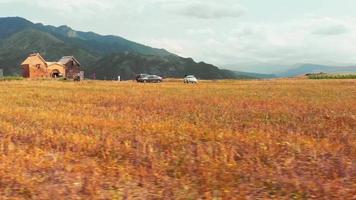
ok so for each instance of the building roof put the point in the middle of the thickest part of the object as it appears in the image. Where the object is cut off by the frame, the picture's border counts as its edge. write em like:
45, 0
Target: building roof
55, 63
50, 63
31, 56
66, 59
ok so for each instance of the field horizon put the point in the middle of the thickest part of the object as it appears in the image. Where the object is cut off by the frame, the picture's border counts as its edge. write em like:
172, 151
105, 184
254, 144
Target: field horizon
250, 139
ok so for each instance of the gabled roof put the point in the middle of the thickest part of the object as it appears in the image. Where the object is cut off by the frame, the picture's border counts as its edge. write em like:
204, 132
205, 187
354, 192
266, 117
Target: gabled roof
54, 63
32, 56
66, 59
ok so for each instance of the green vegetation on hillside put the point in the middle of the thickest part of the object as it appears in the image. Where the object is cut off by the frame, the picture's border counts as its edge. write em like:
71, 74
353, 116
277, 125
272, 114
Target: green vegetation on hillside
15, 48
128, 64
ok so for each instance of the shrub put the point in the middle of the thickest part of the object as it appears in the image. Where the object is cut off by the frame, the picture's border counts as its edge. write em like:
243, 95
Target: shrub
11, 78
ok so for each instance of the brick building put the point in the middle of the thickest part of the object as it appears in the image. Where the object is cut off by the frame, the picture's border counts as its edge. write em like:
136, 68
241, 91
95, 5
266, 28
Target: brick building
35, 66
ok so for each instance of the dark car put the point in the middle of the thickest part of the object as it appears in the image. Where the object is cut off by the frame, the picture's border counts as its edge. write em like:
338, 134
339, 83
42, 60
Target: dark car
146, 78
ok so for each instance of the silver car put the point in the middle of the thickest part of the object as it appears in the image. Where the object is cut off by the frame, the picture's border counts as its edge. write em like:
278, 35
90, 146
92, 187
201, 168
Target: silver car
146, 78
190, 79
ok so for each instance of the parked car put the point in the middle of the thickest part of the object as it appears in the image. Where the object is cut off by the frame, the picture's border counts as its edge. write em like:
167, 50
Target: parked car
146, 78
139, 77
190, 79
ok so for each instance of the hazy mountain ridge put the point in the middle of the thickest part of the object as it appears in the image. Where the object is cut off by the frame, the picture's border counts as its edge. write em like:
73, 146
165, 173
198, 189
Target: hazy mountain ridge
255, 75
278, 70
302, 69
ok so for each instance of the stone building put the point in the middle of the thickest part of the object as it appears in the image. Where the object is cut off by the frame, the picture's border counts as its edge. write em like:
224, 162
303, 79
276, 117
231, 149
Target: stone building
35, 66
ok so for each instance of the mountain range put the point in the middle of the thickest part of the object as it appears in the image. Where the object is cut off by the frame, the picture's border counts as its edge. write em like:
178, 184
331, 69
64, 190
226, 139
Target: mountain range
315, 68
296, 70
105, 56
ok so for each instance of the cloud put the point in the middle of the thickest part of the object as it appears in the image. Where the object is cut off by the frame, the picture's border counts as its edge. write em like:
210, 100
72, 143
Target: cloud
329, 27
204, 31
77, 7
277, 43
209, 9
72, 8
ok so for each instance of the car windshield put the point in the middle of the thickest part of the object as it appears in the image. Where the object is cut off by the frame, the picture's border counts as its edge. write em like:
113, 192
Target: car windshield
190, 76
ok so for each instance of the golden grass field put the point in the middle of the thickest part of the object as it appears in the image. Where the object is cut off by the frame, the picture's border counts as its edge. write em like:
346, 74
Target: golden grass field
281, 139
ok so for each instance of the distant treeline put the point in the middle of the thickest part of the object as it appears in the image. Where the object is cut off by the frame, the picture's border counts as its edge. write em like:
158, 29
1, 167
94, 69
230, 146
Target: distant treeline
331, 76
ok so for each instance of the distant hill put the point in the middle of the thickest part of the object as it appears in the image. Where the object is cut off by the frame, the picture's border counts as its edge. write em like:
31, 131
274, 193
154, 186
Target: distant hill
105, 56
250, 75
129, 64
313, 68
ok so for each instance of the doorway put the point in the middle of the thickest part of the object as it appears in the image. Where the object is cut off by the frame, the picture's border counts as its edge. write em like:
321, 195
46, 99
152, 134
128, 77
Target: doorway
56, 73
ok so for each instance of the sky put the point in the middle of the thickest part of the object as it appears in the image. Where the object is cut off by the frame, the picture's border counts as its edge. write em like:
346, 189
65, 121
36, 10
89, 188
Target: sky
250, 35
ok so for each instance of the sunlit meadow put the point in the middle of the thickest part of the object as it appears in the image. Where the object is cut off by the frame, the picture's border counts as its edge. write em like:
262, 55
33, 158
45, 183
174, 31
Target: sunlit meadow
282, 139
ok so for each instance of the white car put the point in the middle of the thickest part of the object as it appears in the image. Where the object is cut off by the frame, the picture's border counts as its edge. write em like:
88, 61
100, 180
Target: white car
190, 79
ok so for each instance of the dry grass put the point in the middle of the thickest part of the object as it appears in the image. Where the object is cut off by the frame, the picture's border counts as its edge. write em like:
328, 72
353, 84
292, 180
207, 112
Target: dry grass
283, 139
